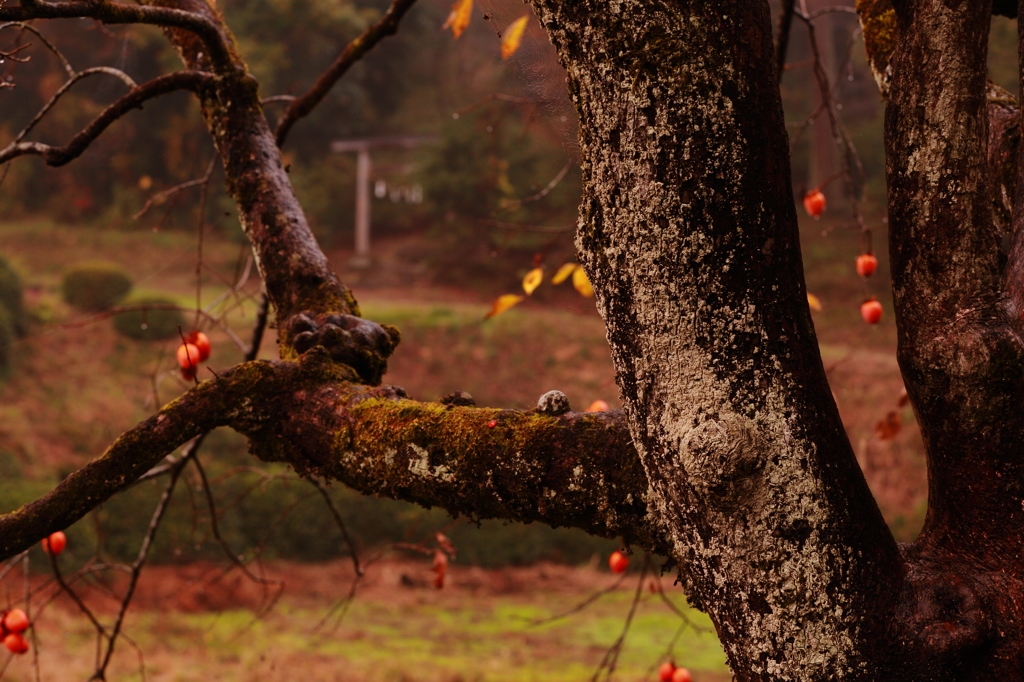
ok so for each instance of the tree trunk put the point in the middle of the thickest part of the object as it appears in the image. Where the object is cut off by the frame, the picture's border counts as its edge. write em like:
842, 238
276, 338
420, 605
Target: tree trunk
688, 230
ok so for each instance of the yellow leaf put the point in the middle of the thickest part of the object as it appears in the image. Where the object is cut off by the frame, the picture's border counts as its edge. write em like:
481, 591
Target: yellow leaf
532, 280
563, 273
581, 283
458, 19
504, 303
814, 302
513, 36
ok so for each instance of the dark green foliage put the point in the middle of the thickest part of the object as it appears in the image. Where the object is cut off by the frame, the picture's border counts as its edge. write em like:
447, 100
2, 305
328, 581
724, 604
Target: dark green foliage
11, 297
95, 285
149, 323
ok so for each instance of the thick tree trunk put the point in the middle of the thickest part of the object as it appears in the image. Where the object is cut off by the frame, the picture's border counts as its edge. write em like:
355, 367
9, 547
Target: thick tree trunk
688, 231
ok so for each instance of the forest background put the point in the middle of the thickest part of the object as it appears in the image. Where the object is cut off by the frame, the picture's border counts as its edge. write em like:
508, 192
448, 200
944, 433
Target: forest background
451, 232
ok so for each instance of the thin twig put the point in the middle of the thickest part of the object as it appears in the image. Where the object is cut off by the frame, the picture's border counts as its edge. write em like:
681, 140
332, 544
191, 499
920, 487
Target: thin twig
353, 52
58, 156
611, 657
547, 188
60, 57
841, 138
228, 552
140, 559
116, 73
159, 197
340, 523
580, 606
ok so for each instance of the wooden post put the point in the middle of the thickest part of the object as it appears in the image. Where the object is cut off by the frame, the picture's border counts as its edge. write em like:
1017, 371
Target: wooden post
363, 206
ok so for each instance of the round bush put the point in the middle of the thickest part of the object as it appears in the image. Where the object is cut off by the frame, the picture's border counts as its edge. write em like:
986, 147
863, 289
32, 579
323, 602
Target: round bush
151, 324
10, 297
95, 286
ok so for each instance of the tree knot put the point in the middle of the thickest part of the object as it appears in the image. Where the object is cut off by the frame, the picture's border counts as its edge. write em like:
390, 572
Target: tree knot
361, 344
723, 458
946, 619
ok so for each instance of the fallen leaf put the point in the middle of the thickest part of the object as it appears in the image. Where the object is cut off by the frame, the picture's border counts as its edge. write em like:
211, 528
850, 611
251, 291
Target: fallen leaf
513, 36
563, 273
532, 280
814, 302
886, 429
458, 19
503, 303
581, 283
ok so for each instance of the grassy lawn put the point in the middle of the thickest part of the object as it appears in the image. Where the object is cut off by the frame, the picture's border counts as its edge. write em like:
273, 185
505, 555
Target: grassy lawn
477, 628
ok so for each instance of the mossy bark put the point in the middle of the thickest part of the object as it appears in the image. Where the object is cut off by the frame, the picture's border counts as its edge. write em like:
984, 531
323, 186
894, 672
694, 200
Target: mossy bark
576, 470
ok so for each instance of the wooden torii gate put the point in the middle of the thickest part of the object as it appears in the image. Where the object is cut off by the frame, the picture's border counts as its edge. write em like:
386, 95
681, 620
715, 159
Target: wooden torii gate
362, 147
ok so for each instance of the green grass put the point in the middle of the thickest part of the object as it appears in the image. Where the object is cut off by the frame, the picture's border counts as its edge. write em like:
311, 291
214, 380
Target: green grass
423, 635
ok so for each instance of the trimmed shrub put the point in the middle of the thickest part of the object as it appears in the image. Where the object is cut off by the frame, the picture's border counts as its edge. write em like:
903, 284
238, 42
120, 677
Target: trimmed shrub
10, 297
95, 285
153, 324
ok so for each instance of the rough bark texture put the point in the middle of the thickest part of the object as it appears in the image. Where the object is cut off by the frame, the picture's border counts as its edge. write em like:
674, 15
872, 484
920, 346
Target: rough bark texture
688, 231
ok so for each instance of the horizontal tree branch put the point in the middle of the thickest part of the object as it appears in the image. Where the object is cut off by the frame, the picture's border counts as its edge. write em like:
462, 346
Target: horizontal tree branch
577, 470
58, 156
353, 52
117, 13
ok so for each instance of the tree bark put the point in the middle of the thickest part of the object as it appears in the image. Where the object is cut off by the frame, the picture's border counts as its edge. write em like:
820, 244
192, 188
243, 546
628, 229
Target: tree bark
688, 231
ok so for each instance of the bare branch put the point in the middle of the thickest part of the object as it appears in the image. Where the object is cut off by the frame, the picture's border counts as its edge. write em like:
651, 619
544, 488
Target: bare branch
58, 156
116, 13
160, 196
277, 99
546, 190
116, 73
13, 54
147, 542
352, 53
32, 29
